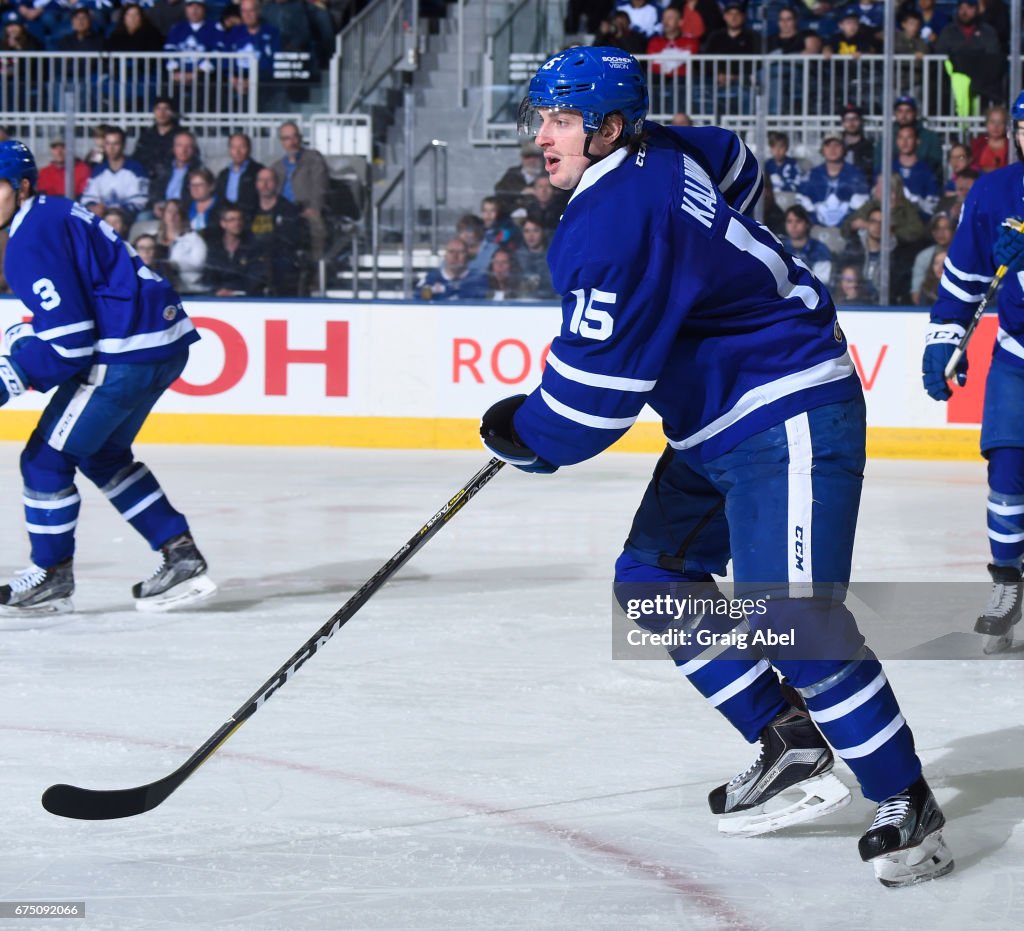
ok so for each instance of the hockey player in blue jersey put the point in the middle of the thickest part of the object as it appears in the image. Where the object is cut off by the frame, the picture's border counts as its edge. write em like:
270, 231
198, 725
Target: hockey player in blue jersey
674, 297
111, 336
983, 241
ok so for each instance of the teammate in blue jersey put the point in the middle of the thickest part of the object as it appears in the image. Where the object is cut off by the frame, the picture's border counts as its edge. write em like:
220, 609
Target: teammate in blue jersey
674, 297
111, 336
982, 243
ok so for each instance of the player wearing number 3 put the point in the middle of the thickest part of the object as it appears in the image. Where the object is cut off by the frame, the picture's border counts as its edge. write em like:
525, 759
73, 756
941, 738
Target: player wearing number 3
674, 297
111, 336
989, 241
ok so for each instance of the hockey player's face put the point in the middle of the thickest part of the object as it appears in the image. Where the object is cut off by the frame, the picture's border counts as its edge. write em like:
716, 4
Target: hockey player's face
561, 137
8, 203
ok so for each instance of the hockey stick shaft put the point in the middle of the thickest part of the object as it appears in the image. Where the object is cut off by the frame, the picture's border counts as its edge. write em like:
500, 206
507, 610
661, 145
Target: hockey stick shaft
100, 804
958, 353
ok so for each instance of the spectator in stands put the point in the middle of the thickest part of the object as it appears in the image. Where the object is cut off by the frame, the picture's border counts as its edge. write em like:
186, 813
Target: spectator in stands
907, 226
186, 250
995, 13
919, 182
292, 23
236, 184
194, 34
929, 148
909, 41
990, 149
941, 231
321, 25
789, 37
784, 170
302, 178
155, 145
932, 20
929, 292
234, 264
145, 245
853, 37
533, 261
83, 36
169, 179
16, 37
958, 159
504, 279
40, 18
680, 38
280, 235
117, 181
134, 32
52, 178
470, 230
680, 119
546, 202
230, 17
860, 151
644, 16
593, 11
872, 16
118, 221
974, 49
733, 92
203, 209
509, 188
166, 14
95, 154
253, 35
617, 32
498, 228
834, 188
452, 280
853, 289
865, 251
953, 202
799, 242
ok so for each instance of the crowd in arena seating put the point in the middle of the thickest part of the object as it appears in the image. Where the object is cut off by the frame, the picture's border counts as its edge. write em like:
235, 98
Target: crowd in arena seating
249, 230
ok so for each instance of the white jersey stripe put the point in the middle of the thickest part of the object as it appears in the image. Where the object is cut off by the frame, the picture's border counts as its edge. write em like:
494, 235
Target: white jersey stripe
1009, 344
1006, 510
50, 531
738, 684
957, 292
843, 708
50, 504
62, 429
1005, 537
143, 504
146, 340
66, 330
112, 493
598, 381
588, 420
872, 744
799, 506
966, 276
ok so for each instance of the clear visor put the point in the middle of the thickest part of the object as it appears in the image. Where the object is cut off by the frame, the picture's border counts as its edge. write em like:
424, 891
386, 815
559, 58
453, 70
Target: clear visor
529, 120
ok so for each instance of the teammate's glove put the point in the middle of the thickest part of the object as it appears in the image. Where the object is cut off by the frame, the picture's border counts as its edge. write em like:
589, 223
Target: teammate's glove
500, 437
939, 344
12, 379
13, 335
1009, 247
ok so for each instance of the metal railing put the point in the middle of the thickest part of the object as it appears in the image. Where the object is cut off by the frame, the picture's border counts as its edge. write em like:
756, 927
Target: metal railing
128, 82
369, 48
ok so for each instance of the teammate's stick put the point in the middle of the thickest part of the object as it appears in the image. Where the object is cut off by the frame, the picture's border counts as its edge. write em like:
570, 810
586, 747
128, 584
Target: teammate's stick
100, 804
958, 353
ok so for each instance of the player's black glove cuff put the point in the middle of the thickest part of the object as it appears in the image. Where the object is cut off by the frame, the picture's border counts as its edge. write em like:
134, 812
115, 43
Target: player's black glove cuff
499, 435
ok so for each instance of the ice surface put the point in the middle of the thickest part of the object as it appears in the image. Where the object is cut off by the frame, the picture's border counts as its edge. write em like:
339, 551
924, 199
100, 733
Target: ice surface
464, 754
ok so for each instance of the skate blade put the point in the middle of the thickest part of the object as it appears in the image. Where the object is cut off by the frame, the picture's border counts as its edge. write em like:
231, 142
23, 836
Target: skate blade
57, 606
928, 860
819, 796
185, 593
997, 643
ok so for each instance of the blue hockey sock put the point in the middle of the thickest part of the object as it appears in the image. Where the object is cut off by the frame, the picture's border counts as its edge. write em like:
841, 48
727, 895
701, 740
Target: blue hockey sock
136, 493
856, 710
1006, 506
51, 518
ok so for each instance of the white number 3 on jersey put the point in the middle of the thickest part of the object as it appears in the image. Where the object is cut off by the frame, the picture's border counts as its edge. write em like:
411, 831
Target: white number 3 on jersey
48, 296
588, 319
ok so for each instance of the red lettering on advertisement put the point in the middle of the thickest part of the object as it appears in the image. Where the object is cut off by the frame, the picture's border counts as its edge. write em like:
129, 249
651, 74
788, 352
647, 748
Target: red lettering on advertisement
524, 361
279, 355
460, 361
236, 359
966, 404
866, 380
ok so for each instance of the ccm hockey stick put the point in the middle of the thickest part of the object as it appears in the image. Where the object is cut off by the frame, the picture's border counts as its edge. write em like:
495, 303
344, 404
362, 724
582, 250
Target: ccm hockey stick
101, 804
958, 353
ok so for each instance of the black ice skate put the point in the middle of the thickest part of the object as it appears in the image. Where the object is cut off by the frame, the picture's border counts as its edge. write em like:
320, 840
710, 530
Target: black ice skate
35, 591
904, 842
1003, 609
181, 579
794, 759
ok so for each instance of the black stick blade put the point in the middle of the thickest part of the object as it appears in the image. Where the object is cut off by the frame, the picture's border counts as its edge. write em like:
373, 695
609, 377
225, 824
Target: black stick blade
105, 804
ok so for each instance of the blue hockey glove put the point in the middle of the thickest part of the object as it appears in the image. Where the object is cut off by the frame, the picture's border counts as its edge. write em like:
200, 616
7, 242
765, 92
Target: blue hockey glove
1009, 247
500, 437
939, 345
12, 379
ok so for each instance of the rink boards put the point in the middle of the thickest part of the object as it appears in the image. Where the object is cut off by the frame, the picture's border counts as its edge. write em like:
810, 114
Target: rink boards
414, 375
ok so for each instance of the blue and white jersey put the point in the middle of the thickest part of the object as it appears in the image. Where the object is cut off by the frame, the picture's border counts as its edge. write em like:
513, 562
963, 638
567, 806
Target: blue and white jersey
92, 299
127, 188
188, 37
920, 186
970, 267
264, 44
814, 254
786, 175
674, 298
828, 200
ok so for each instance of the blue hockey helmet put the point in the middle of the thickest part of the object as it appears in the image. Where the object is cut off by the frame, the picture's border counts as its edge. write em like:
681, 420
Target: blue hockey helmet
593, 80
16, 162
1017, 110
